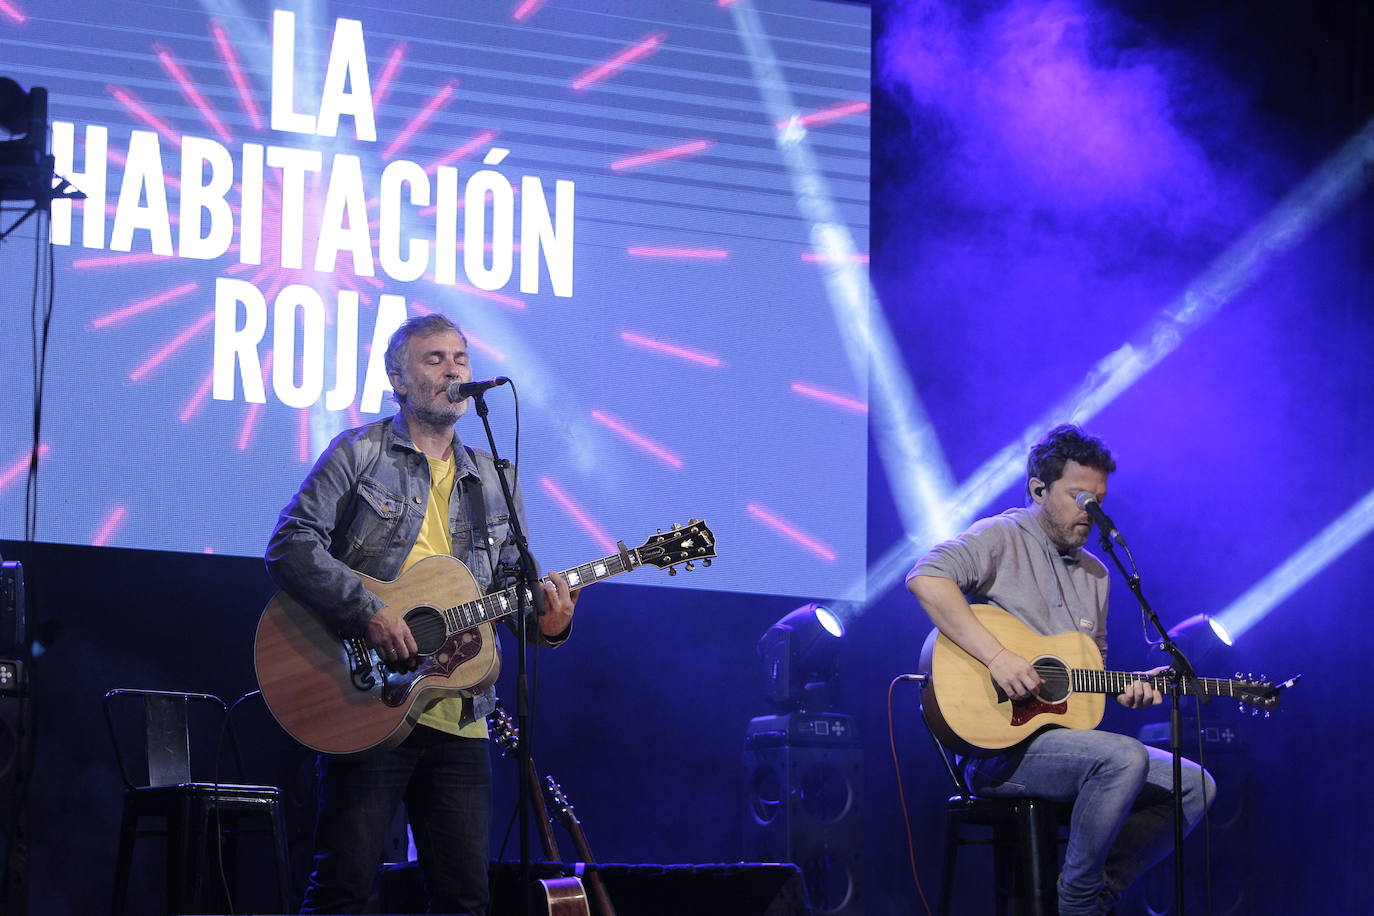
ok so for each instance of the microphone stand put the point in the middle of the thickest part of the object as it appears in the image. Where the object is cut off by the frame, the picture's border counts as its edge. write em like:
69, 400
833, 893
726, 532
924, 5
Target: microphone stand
527, 589
1180, 676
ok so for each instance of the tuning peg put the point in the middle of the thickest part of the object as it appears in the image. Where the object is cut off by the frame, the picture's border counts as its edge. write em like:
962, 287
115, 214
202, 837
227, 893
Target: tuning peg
672, 570
705, 562
694, 521
1267, 713
690, 565
676, 526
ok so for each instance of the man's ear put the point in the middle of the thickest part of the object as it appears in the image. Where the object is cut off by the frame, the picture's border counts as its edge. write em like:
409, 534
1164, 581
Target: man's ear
1037, 489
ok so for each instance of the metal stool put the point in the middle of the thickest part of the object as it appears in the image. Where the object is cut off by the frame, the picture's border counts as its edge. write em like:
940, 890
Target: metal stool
1025, 838
192, 813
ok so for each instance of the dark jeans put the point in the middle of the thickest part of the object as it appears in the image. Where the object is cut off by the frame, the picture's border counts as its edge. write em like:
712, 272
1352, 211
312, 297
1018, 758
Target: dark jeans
445, 781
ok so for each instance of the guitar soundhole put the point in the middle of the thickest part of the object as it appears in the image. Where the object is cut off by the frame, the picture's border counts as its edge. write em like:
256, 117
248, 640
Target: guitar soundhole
1055, 674
427, 626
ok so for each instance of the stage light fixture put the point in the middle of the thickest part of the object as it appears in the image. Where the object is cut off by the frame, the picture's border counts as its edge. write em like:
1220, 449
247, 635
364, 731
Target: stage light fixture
1203, 639
25, 171
800, 654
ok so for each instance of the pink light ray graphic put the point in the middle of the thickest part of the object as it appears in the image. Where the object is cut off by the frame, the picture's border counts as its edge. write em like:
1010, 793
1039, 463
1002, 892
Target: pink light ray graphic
389, 71
681, 352
791, 532
137, 308
136, 107
699, 254
109, 526
21, 465
420, 120
578, 514
486, 348
830, 397
825, 115
120, 260
250, 422
188, 89
12, 12
619, 61
526, 9
198, 399
254, 411
121, 160
303, 435
171, 347
355, 416
814, 258
649, 157
236, 73
466, 149
638, 440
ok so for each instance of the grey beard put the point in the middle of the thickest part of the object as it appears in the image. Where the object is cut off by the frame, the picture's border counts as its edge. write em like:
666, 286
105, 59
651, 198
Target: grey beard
440, 418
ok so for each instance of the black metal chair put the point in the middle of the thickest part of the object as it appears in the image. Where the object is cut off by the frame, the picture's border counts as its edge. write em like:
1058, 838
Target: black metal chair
1024, 833
196, 817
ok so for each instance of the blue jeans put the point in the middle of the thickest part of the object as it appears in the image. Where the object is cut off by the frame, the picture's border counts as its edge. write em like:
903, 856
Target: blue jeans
1122, 795
445, 782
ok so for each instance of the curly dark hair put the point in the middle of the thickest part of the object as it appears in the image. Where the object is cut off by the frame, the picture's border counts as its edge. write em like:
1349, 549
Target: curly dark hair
1065, 443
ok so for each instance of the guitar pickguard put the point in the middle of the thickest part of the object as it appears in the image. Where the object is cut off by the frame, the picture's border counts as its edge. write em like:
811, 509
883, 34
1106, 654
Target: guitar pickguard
457, 649
1021, 713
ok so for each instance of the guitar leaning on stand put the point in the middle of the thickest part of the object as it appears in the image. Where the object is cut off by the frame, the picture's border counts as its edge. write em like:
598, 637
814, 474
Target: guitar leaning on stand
562, 896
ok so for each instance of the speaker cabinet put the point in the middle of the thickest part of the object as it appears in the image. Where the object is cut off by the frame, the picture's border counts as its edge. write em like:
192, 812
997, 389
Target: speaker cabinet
804, 804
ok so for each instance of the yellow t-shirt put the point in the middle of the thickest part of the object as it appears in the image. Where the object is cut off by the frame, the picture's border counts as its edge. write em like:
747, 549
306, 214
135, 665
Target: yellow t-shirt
444, 714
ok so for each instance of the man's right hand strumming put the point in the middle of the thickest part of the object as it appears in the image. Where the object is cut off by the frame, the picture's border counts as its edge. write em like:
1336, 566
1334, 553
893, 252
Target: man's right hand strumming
390, 635
1016, 676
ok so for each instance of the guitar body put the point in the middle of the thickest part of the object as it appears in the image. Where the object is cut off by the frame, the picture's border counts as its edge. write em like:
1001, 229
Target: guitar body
564, 897
966, 710
307, 673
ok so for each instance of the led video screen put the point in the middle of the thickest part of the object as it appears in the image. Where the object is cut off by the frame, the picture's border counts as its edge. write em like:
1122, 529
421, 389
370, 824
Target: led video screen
641, 213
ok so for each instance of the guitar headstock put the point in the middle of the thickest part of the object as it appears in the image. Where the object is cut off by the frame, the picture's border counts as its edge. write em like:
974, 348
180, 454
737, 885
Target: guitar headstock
1258, 694
559, 800
687, 545
504, 729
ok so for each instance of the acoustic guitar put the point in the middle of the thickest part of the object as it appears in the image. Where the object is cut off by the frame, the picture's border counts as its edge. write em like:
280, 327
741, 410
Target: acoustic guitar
970, 714
336, 695
560, 896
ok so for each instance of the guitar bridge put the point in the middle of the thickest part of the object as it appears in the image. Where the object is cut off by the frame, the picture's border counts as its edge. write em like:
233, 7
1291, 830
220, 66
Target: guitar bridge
359, 665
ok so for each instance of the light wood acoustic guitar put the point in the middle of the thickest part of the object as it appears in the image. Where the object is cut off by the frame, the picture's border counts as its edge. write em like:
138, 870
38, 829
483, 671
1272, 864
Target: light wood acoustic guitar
337, 696
970, 714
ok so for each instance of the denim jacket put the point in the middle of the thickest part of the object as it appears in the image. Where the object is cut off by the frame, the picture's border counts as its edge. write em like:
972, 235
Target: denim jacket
361, 508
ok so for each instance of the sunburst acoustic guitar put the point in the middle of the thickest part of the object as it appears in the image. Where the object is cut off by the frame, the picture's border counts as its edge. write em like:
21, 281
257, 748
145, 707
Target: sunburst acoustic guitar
337, 696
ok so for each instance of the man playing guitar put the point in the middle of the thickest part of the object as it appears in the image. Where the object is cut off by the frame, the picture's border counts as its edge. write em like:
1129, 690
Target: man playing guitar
380, 499
1030, 562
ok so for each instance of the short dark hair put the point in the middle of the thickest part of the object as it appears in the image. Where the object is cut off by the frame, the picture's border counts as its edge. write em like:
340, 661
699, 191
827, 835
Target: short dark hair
419, 326
1065, 443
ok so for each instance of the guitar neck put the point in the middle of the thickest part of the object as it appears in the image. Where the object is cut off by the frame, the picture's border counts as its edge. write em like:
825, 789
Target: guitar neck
507, 601
1089, 680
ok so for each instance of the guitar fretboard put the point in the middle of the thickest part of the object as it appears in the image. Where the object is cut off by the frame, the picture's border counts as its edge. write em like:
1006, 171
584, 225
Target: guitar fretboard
507, 601
1089, 680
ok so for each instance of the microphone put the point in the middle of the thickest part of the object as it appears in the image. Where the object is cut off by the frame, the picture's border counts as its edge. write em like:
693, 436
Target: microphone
1089, 504
460, 391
